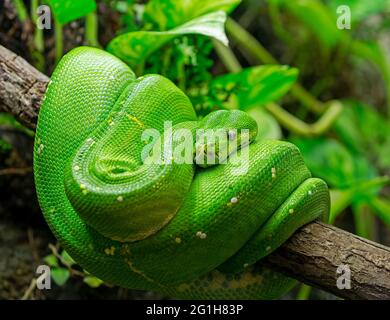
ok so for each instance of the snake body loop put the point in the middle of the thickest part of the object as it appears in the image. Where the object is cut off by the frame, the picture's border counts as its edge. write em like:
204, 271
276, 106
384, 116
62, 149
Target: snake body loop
184, 230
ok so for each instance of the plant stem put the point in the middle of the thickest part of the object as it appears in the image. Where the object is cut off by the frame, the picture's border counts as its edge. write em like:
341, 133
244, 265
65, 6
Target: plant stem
21, 10
166, 60
246, 41
227, 56
277, 25
181, 77
300, 127
38, 34
38, 37
58, 41
91, 29
252, 48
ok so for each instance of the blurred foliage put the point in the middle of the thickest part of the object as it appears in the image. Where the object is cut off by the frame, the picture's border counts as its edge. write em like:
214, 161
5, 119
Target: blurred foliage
63, 267
135, 47
68, 10
179, 39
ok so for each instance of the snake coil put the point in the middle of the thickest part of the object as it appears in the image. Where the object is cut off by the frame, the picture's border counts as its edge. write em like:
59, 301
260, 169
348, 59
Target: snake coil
178, 229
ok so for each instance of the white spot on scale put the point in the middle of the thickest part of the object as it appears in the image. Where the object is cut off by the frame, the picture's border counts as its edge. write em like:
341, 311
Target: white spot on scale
201, 235
40, 148
310, 192
234, 200
120, 198
268, 248
291, 210
76, 168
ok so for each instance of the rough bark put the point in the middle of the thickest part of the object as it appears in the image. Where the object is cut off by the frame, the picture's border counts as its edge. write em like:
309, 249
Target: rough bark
318, 254
312, 255
21, 88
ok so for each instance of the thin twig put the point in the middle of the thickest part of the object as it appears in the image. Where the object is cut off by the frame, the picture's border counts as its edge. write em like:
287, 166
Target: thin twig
30, 289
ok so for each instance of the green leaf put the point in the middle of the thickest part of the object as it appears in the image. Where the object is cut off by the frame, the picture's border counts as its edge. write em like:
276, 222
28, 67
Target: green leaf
332, 161
68, 10
169, 14
360, 9
135, 47
381, 208
252, 87
364, 220
317, 18
92, 281
384, 153
373, 52
60, 275
340, 200
365, 131
67, 258
268, 126
364, 191
51, 260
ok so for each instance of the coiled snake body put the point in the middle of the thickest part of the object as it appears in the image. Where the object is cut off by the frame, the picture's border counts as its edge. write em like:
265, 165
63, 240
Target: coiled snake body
181, 230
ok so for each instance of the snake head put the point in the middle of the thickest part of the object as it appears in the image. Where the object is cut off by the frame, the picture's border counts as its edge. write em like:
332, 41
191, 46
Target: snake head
221, 134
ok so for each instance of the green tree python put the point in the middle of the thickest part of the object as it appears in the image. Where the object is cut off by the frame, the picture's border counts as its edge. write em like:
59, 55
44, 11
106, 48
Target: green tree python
184, 230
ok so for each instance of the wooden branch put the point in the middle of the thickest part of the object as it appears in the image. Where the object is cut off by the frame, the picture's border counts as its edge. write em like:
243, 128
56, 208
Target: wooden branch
315, 252
21, 88
312, 255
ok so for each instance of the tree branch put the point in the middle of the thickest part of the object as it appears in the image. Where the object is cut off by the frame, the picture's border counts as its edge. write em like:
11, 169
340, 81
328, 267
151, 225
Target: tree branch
21, 88
312, 255
316, 251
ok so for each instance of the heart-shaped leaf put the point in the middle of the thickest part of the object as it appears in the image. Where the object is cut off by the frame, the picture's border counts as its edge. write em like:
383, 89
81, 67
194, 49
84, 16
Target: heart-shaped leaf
169, 14
60, 275
135, 47
92, 281
252, 87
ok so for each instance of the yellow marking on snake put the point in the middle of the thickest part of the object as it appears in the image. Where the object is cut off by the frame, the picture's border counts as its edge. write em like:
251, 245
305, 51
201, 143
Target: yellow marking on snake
136, 120
137, 271
110, 251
